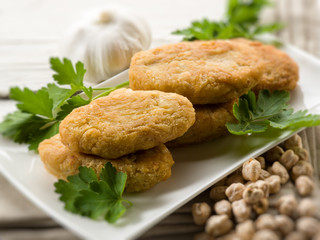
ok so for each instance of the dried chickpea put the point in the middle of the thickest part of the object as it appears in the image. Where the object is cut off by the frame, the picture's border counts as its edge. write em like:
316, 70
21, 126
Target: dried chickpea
241, 210
263, 186
234, 191
218, 193
262, 161
308, 225
274, 183
304, 185
218, 225
278, 169
302, 153
252, 194
200, 213
235, 177
245, 230
287, 204
307, 207
261, 206
265, 221
296, 236
264, 174
265, 234
301, 168
294, 141
284, 224
251, 170
289, 159
223, 207
273, 154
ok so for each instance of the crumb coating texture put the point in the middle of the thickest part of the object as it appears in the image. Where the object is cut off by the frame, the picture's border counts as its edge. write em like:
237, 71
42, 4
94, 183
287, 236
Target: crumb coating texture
144, 168
206, 72
279, 72
126, 121
210, 123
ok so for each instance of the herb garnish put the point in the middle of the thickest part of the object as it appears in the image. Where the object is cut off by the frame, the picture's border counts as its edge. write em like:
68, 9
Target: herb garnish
89, 196
40, 113
242, 20
269, 110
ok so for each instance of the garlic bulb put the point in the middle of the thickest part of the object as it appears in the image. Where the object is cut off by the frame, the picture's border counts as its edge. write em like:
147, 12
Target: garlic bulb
105, 40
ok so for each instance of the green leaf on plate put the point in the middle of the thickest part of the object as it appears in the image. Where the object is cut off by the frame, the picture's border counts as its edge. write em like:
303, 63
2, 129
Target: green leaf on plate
89, 196
268, 110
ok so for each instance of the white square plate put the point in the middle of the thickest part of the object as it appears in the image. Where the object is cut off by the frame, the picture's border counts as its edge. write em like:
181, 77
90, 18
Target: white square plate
197, 167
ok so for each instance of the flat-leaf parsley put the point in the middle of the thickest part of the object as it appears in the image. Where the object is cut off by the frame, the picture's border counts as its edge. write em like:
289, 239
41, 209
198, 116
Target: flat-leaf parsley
270, 110
94, 197
241, 21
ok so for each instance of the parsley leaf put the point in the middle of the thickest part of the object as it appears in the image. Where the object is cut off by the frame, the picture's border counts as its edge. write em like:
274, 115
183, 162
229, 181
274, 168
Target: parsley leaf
270, 104
89, 196
45, 132
297, 120
58, 95
66, 75
40, 113
270, 110
115, 180
36, 103
71, 190
244, 11
241, 20
21, 126
247, 127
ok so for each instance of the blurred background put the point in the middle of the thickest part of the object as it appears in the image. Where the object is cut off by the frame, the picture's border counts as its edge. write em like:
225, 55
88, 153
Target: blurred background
31, 31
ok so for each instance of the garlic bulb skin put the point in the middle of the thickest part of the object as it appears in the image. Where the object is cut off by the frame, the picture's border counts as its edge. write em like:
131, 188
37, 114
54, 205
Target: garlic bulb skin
105, 39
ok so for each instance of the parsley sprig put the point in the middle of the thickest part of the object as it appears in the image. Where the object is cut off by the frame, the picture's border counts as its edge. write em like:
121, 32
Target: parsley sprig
242, 20
94, 197
269, 110
39, 113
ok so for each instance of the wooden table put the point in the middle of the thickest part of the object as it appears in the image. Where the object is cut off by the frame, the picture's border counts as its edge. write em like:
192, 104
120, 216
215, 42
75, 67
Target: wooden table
31, 32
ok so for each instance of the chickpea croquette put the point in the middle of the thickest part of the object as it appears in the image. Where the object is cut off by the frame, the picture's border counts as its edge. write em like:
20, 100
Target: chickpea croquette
206, 72
144, 168
127, 121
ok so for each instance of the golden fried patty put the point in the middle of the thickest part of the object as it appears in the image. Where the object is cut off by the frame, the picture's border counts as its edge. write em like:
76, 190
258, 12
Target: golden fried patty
279, 71
210, 124
127, 121
144, 168
206, 72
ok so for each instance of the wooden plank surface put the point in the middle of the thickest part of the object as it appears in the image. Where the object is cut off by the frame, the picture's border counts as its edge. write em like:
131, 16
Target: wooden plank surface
31, 32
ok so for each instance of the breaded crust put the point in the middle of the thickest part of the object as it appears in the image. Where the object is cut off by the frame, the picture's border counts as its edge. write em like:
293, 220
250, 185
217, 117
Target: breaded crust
126, 121
206, 72
280, 72
210, 124
144, 169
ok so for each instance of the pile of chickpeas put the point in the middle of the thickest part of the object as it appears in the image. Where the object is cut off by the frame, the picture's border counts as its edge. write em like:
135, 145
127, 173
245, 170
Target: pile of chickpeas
250, 204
